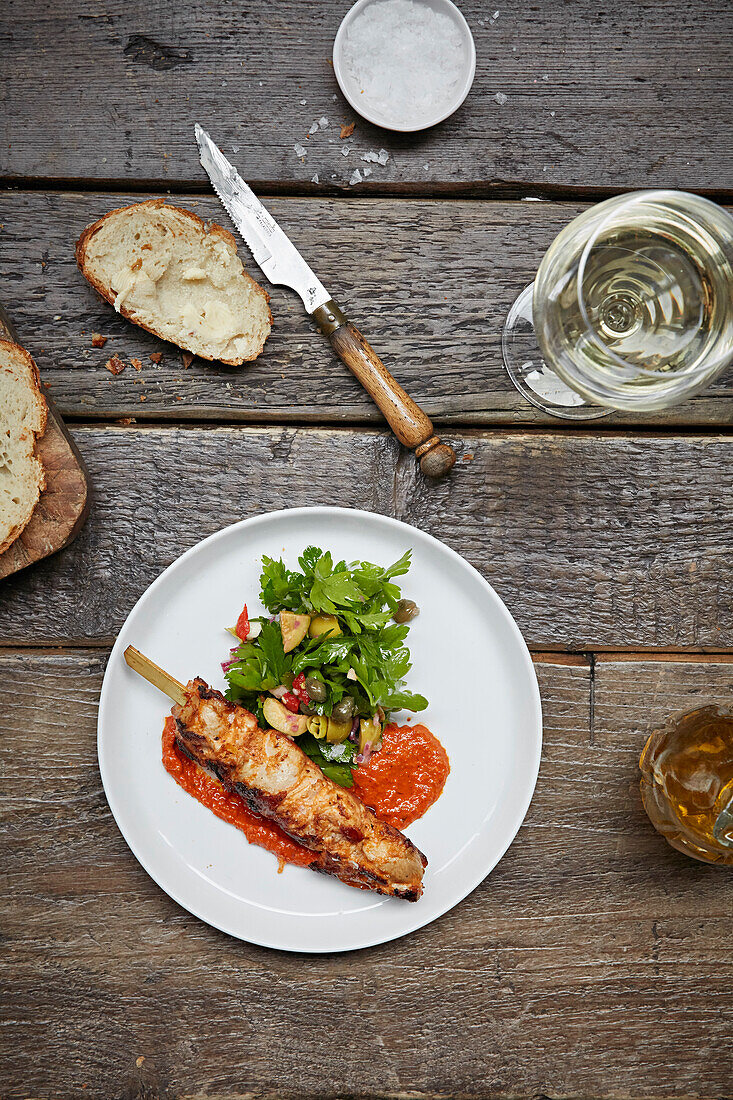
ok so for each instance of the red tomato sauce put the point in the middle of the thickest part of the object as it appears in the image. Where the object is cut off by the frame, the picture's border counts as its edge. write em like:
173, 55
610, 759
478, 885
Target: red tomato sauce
400, 782
403, 780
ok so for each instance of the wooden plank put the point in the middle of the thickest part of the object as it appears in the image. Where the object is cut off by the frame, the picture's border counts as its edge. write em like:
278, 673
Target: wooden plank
591, 937
591, 539
468, 259
627, 96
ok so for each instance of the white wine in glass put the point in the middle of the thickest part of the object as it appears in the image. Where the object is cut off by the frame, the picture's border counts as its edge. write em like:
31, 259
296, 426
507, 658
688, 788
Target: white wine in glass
631, 308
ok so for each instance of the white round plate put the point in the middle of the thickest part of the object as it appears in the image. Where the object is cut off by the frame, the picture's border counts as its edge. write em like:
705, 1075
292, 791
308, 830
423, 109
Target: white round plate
469, 659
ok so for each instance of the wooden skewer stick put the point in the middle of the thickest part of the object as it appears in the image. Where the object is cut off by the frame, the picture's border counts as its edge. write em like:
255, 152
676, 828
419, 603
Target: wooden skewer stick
155, 675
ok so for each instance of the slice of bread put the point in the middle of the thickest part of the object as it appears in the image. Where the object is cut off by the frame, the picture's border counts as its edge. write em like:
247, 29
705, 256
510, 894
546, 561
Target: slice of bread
22, 419
178, 277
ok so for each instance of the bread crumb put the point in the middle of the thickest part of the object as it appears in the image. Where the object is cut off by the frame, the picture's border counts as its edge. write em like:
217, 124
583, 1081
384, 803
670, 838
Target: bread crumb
143, 397
115, 365
347, 131
136, 364
468, 458
139, 1061
156, 356
187, 358
98, 341
126, 420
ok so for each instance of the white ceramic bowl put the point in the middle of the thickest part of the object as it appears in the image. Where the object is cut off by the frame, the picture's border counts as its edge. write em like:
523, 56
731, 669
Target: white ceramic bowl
411, 119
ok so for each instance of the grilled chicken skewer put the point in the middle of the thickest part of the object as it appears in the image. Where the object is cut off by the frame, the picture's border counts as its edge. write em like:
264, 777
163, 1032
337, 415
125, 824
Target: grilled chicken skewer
278, 781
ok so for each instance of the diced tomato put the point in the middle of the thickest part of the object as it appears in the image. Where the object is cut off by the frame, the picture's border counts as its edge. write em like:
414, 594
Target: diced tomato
291, 702
242, 627
299, 688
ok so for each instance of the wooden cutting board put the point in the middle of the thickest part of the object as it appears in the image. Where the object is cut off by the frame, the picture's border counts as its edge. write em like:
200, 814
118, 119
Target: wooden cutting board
63, 504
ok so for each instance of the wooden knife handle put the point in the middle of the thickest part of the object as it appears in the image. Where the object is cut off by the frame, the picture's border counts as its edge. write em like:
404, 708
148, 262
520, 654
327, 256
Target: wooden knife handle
406, 419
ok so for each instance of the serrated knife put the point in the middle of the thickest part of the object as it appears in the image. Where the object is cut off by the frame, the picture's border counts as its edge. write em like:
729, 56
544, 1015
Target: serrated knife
283, 265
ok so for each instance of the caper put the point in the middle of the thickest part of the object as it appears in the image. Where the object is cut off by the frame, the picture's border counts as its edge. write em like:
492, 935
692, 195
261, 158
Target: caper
316, 689
307, 708
406, 611
343, 711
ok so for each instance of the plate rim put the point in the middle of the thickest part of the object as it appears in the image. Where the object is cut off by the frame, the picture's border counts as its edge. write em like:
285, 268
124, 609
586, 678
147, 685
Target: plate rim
517, 818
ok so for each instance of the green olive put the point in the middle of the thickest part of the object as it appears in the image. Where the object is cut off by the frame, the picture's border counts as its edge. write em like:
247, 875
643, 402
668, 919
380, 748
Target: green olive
406, 611
316, 689
343, 711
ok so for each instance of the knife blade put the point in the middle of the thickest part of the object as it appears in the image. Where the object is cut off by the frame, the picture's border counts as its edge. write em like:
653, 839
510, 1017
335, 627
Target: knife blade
280, 261
275, 253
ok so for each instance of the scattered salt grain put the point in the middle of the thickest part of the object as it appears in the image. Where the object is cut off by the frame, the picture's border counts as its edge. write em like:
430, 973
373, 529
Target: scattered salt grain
334, 98
370, 157
314, 179
552, 114
545, 76
367, 172
422, 65
500, 98
313, 129
323, 123
260, 83
300, 151
382, 157
344, 152
426, 166
303, 102
235, 148
493, 18
356, 177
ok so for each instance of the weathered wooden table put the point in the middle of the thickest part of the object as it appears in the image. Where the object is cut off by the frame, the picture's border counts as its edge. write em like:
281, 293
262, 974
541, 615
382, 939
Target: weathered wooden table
595, 961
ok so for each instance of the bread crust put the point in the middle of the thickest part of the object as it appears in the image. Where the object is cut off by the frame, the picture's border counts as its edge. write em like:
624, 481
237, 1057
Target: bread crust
16, 531
210, 227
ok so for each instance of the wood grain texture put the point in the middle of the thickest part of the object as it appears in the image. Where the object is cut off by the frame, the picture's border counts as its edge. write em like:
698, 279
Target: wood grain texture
594, 961
630, 95
429, 282
63, 504
592, 540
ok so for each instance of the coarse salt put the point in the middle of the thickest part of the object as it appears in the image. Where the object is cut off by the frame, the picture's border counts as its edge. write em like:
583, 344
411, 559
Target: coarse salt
300, 151
500, 98
355, 178
421, 65
323, 123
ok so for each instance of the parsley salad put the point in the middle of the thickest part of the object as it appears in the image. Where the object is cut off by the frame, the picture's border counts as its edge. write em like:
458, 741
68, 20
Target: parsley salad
327, 664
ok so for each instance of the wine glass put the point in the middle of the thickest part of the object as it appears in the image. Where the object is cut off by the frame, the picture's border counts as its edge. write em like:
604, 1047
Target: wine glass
631, 308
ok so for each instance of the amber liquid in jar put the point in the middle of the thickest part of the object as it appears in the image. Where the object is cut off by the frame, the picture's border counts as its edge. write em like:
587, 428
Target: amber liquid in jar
687, 783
